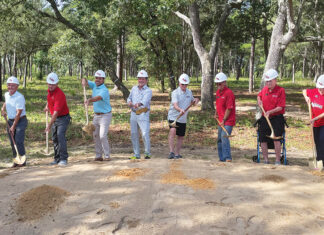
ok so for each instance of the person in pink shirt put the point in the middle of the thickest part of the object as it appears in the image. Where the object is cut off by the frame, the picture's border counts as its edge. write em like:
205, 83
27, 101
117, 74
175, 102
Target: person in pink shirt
315, 97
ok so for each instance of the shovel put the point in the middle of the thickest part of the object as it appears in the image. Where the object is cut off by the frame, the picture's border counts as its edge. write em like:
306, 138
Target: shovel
272, 136
18, 159
174, 124
227, 135
88, 128
312, 162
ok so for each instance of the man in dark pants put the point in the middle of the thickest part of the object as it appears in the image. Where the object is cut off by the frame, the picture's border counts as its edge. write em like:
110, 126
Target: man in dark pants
14, 108
56, 104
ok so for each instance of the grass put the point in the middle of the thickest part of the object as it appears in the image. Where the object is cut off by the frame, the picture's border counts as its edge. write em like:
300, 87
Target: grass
201, 131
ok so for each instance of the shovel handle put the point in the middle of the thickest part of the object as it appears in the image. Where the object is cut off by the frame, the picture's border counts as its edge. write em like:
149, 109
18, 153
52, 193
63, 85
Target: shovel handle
312, 131
181, 114
85, 106
219, 123
267, 119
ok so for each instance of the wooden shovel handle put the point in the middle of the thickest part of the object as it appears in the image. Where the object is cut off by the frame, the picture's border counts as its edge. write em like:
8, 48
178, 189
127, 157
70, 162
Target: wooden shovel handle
222, 126
181, 114
267, 119
312, 130
85, 106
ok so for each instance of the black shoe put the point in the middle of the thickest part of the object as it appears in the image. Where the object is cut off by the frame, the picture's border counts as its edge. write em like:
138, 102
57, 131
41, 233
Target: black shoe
178, 156
171, 155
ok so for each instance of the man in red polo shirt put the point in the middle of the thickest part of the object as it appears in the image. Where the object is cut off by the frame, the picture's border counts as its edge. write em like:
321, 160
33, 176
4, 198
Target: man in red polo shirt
225, 113
273, 99
56, 104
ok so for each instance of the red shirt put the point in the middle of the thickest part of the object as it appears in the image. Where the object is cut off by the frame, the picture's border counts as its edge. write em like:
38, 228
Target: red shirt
225, 99
57, 102
275, 98
317, 101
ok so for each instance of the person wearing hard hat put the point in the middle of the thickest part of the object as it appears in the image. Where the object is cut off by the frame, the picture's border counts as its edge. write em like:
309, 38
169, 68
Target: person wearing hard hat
102, 114
181, 99
14, 109
225, 114
273, 99
60, 120
316, 98
139, 101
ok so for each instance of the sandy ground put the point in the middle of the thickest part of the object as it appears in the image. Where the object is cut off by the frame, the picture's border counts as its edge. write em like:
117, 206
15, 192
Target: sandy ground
241, 198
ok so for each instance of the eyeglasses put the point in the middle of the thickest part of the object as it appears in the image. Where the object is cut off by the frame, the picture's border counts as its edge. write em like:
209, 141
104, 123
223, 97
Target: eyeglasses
183, 84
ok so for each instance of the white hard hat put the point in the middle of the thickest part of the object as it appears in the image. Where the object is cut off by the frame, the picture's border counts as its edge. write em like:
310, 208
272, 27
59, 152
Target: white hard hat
142, 74
52, 79
184, 79
320, 82
220, 77
100, 74
270, 74
13, 80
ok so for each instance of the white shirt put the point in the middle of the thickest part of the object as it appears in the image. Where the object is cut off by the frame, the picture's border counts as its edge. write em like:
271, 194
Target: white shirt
14, 102
183, 99
142, 96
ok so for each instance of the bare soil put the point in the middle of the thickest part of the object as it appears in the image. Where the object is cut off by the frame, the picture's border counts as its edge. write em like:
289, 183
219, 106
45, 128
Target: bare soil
194, 195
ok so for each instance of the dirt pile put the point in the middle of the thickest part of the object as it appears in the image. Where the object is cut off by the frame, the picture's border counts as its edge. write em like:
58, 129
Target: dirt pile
39, 201
176, 176
272, 178
318, 173
131, 173
89, 129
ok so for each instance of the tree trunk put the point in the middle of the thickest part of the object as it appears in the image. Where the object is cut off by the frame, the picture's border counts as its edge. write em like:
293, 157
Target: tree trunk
14, 67
120, 57
293, 72
280, 39
206, 58
251, 69
265, 35
81, 69
239, 67
9, 64
25, 72
304, 62
4, 67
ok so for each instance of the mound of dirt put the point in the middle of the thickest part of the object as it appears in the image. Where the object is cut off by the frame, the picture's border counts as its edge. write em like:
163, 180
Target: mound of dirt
318, 173
39, 201
131, 174
272, 178
176, 176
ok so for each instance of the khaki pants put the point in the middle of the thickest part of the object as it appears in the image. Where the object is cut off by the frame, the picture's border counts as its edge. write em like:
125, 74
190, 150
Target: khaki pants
102, 122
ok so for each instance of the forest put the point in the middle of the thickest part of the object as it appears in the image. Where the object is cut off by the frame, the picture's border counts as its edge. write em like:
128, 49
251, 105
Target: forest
165, 37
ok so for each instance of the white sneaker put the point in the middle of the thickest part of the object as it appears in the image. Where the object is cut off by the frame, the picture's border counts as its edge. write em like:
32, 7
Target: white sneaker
107, 158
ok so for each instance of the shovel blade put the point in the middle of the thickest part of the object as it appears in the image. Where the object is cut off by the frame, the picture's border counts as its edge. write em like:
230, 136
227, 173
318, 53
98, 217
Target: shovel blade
274, 137
20, 160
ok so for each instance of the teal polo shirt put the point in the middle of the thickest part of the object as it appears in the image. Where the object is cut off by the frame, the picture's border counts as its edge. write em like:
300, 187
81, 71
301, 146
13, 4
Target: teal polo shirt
103, 105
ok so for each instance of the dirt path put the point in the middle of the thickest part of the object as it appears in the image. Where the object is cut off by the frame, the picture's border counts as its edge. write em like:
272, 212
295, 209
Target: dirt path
108, 198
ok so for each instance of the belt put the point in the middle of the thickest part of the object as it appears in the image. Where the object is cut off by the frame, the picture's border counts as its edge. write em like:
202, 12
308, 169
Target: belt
102, 113
19, 119
63, 115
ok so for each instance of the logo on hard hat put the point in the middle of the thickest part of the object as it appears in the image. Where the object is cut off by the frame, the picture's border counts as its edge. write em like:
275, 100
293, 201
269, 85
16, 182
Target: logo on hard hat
267, 76
52, 79
10, 80
98, 74
320, 83
217, 78
185, 80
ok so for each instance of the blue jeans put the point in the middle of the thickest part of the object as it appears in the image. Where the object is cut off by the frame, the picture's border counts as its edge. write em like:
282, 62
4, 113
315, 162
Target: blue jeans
58, 136
19, 136
223, 144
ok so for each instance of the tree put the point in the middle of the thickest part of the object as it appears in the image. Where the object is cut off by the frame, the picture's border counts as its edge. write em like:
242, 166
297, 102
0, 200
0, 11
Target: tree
279, 38
206, 57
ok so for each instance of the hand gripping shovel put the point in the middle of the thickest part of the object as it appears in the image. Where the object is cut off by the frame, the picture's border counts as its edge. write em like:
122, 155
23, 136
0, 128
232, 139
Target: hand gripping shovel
18, 159
227, 135
173, 124
272, 136
313, 163
88, 128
